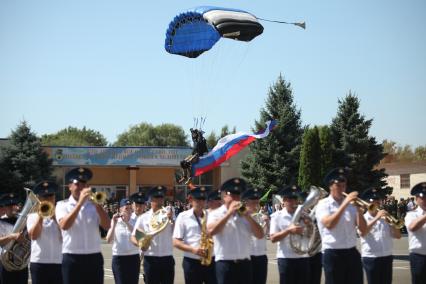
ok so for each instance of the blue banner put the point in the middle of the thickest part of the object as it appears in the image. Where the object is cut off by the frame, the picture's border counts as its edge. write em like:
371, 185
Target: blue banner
117, 156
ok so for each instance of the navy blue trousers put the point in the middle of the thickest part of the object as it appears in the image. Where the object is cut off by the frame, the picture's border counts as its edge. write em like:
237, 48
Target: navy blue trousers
378, 269
159, 270
126, 268
259, 266
418, 268
195, 273
315, 267
294, 270
46, 273
82, 268
13, 277
235, 272
342, 266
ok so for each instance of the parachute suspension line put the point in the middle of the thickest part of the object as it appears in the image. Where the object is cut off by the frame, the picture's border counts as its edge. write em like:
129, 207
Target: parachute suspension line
298, 24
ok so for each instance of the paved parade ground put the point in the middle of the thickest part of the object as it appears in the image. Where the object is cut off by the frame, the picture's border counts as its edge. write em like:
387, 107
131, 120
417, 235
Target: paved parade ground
401, 266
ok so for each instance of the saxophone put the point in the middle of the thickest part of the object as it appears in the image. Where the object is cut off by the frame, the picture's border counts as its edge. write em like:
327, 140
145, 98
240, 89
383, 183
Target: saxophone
206, 242
15, 255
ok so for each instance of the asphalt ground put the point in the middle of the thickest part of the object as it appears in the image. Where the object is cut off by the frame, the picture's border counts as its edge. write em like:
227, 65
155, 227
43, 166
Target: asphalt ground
401, 266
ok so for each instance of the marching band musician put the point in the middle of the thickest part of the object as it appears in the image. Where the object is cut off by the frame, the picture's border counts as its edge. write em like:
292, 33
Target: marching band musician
46, 240
214, 200
9, 202
259, 260
158, 264
416, 227
292, 267
125, 255
337, 223
138, 205
376, 242
232, 229
79, 220
187, 237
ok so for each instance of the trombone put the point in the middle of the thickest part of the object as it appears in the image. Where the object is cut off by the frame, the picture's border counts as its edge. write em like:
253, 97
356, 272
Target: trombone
98, 197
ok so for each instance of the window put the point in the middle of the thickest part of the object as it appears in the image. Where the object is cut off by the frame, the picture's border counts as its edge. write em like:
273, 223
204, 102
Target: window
405, 181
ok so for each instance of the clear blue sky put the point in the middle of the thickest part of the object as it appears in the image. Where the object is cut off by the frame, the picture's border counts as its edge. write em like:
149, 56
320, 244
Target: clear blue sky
102, 64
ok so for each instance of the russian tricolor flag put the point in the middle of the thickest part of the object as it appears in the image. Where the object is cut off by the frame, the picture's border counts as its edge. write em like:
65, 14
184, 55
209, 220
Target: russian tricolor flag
227, 147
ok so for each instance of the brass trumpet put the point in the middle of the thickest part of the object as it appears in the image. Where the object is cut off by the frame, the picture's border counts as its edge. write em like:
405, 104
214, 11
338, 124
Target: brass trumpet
242, 209
98, 197
46, 209
362, 203
394, 222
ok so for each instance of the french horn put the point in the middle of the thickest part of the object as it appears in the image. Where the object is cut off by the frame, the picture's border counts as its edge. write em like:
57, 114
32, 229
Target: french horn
158, 223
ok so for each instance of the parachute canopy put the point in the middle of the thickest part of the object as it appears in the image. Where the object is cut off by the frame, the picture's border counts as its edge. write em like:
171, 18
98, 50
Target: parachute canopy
197, 30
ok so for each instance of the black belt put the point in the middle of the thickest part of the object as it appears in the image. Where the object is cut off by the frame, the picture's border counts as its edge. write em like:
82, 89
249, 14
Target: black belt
236, 260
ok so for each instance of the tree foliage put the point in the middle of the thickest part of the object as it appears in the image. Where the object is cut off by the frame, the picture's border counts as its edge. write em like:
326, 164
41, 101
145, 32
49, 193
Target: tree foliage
145, 134
73, 136
310, 159
23, 161
355, 148
274, 161
327, 149
397, 153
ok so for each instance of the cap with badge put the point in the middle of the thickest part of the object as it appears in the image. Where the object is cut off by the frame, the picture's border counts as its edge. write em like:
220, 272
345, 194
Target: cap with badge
9, 199
199, 193
419, 190
124, 202
252, 194
371, 194
45, 188
138, 197
78, 175
335, 176
290, 191
214, 195
234, 186
157, 191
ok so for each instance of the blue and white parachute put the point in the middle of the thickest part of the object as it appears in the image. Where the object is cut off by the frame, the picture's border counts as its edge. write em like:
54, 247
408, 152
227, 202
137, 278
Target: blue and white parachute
197, 30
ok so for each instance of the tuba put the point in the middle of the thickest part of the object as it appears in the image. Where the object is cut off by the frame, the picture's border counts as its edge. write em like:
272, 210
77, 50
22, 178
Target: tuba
158, 223
206, 242
15, 255
310, 241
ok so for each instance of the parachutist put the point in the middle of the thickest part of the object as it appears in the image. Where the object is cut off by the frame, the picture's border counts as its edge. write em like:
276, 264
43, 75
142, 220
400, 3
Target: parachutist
199, 149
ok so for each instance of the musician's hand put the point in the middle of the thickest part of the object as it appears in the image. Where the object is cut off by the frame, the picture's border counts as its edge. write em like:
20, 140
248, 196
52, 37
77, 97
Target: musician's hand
115, 217
381, 213
84, 194
199, 251
351, 197
233, 207
294, 229
19, 237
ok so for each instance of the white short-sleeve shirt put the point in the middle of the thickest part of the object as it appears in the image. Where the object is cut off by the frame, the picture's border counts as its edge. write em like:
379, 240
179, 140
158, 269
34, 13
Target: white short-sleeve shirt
47, 248
122, 244
258, 246
378, 242
188, 230
281, 220
417, 239
83, 237
162, 243
343, 235
234, 241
